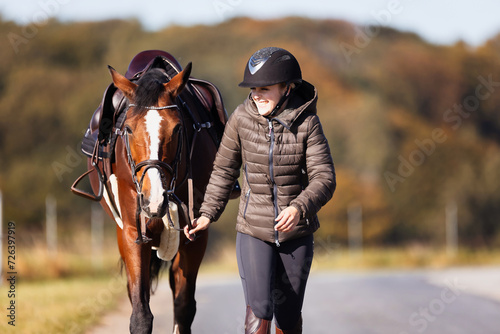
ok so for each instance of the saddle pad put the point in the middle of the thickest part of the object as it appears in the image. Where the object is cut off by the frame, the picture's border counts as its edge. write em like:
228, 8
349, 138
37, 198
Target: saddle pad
169, 241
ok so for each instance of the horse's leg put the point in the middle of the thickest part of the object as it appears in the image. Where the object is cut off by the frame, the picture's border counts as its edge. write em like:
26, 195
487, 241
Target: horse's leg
137, 259
183, 273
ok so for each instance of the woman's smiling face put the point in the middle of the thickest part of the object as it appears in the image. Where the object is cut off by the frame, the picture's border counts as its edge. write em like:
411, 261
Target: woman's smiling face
266, 98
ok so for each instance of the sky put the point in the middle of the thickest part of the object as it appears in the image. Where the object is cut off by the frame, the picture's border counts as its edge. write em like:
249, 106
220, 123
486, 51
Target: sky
437, 21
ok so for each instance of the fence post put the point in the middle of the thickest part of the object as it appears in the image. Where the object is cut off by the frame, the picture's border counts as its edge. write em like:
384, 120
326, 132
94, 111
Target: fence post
451, 228
97, 234
1, 238
355, 228
51, 223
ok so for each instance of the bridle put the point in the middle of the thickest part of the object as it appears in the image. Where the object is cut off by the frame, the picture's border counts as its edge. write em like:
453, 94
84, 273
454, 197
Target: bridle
161, 167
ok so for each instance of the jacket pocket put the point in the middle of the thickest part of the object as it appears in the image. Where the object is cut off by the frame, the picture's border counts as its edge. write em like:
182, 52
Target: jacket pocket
247, 199
247, 194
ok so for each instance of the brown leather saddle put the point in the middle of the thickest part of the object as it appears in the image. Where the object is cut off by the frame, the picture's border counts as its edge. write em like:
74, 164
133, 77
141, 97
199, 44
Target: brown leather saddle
201, 100
109, 115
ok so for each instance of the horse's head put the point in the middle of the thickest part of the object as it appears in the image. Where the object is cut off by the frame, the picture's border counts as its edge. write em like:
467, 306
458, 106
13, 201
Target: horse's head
152, 134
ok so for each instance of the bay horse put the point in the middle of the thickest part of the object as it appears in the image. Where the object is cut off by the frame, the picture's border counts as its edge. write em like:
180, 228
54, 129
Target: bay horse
150, 177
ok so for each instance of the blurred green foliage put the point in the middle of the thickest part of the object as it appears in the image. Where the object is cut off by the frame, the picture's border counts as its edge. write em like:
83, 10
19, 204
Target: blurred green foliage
412, 126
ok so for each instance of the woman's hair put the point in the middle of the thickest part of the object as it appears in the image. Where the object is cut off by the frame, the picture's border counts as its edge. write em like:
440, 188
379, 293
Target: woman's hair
284, 84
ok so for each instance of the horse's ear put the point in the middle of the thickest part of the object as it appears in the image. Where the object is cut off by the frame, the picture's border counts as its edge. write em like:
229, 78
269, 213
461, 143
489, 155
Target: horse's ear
125, 85
179, 81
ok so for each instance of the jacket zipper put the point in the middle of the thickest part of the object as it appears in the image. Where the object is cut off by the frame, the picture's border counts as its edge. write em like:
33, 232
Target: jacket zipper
271, 175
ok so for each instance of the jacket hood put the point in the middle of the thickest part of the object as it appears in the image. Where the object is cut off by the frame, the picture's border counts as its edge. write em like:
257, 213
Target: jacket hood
304, 98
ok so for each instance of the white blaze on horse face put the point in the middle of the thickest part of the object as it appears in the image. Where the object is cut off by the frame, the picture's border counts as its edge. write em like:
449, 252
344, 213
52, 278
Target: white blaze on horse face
153, 125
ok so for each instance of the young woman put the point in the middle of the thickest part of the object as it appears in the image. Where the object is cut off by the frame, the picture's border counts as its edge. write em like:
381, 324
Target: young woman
276, 139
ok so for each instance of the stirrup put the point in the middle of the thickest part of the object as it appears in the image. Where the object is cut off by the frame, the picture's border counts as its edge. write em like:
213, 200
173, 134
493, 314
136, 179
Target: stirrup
86, 194
236, 191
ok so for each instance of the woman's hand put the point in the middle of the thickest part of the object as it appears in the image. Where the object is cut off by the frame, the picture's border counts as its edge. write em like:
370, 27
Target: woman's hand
287, 219
198, 224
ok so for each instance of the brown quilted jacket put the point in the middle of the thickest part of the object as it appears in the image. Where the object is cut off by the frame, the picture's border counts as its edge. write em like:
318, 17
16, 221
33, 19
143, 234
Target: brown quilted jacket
285, 161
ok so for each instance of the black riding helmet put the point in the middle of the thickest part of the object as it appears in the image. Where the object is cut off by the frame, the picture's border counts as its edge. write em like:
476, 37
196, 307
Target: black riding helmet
270, 66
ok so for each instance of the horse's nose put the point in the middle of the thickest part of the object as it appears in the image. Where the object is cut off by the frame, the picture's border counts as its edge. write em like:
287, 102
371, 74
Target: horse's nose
147, 211
151, 209
147, 207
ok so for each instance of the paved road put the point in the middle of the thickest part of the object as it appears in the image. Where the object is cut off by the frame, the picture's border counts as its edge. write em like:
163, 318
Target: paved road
456, 301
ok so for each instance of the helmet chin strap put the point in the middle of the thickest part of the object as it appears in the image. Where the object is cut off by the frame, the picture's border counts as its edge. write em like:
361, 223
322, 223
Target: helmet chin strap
281, 101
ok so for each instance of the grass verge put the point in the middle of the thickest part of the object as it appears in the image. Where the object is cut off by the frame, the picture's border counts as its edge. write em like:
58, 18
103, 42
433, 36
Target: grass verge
61, 305
409, 257
329, 257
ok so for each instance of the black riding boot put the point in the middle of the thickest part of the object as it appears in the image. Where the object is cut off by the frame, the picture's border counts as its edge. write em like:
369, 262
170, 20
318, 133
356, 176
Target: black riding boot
254, 325
295, 330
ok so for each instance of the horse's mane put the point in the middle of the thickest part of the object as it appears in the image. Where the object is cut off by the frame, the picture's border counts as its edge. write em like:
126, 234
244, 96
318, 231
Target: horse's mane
149, 88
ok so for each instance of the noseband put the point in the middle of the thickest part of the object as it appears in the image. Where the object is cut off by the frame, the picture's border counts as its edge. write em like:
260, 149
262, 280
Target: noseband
161, 167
